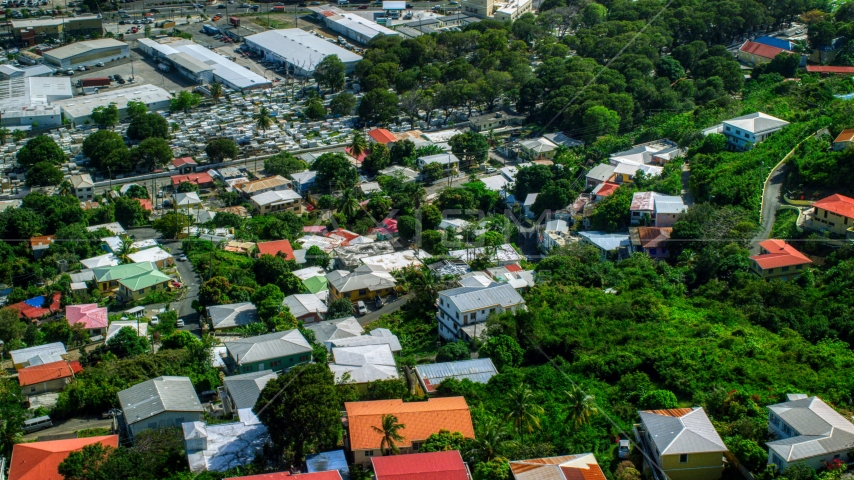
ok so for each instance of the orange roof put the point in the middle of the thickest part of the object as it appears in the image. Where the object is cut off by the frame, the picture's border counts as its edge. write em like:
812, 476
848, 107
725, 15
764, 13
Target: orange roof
276, 247
846, 135
40, 460
607, 188
145, 203
47, 372
672, 412
761, 50
179, 162
381, 135
838, 204
654, 237
780, 254
345, 236
421, 419
39, 241
829, 69
566, 467
201, 178
329, 475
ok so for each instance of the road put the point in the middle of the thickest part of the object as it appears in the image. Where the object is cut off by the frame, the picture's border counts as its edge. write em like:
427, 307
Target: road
70, 426
771, 202
687, 196
387, 308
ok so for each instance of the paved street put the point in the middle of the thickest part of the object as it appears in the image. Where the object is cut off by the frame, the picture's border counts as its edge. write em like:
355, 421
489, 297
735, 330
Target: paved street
70, 426
387, 308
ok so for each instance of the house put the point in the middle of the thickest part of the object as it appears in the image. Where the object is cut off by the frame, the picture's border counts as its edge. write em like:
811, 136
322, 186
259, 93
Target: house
528, 204
555, 233
236, 246
495, 121
306, 307
224, 446
397, 260
462, 310
40, 245
318, 285
642, 208
242, 391
603, 190
159, 403
377, 336
184, 165
40, 460
304, 181
656, 152
844, 140
682, 443
262, 185
38, 355
327, 331
277, 351
325, 475
421, 419
350, 256
598, 174
388, 230
831, 70
808, 431
500, 255
108, 278
668, 210
651, 240
141, 285
778, 260
446, 465
744, 132
277, 201
202, 179
606, 242
231, 316
409, 175
834, 214
114, 227
48, 377
381, 135
364, 283
562, 140
93, 317
38, 307
156, 255
363, 364
625, 172
186, 200
448, 161
755, 53
82, 186
513, 275
368, 188
140, 328
566, 467
538, 148
478, 370
274, 248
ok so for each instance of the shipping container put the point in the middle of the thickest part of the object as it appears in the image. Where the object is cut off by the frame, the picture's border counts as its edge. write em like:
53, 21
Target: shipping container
234, 21
167, 24
93, 82
279, 8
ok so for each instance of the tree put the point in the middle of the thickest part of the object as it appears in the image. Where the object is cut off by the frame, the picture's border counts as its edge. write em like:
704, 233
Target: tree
104, 148
503, 350
301, 407
14, 414
42, 149
221, 148
317, 257
185, 101
171, 224
187, 187
89, 463
125, 249
11, 328
136, 191
339, 308
389, 429
148, 125
126, 343
593, 14
378, 106
579, 407
432, 172
671, 68
129, 212
431, 217
524, 413
658, 400
378, 159
408, 227
106, 116
492, 438
612, 213
4, 134
216, 91
269, 268
444, 441
342, 104
495, 469
453, 351
263, 119
387, 389
330, 73
152, 153
358, 145
470, 147
349, 205
599, 121
402, 152
43, 174
284, 164
333, 169
135, 110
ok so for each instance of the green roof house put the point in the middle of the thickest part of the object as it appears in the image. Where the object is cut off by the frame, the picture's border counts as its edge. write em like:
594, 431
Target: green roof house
138, 286
275, 351
108, 277
316, 284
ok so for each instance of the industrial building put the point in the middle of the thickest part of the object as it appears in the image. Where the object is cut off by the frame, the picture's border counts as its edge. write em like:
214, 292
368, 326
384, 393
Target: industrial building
25, 101
8, 72
503, 11
351, 25
79, 110
298, 49
88, 52
202, 65
34, 31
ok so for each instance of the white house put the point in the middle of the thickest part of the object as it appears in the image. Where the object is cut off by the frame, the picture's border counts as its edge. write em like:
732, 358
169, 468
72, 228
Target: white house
744, 132
277, 201
448, 161
83, 186
463, 310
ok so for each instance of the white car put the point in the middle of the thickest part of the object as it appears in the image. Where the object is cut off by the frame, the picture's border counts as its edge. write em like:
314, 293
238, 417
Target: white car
182, 258
154, 321
179, 323
360, 306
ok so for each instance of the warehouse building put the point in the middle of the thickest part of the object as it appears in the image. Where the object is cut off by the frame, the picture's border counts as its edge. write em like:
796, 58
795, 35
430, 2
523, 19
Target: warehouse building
34, 31
299, 50
8, 72
202, 65
88, 52
25, 102
79, 110
351, 25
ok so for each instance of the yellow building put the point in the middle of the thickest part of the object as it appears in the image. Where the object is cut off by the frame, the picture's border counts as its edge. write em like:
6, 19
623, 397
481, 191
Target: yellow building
778, 259
834, 214
139, 286
364, 283
682, 443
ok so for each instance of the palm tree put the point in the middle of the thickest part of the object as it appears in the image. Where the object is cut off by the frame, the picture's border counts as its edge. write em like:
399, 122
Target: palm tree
358, 146
349, 203
579, 407
65, 188
493, 437
125, 250
523, 412
263, 120
216, 91
491, 138
390, 432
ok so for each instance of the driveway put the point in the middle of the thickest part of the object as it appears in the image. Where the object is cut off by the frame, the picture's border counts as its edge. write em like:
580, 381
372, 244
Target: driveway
772, 199
387, 308
70, 426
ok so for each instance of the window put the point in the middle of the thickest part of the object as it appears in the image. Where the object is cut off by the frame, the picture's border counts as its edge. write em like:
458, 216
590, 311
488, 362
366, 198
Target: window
369, 453
825, 214
785, 269
774, 420
275, 363
683, 458
32, 389
416, 446
362, 292
303, 358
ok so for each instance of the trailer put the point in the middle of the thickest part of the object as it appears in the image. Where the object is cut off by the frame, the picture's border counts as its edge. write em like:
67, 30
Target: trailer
210, 30
94, 82
234, 21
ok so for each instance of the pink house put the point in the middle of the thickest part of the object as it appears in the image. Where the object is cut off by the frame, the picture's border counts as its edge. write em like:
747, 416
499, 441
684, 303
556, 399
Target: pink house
90, 315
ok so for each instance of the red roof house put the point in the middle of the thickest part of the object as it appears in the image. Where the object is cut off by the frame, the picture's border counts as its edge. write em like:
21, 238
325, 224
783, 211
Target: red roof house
146, 204
830, 69
360, 158
381, 135
319, 229
330, 475
343, 237
40, 460
838, 204
779, 260
90, 315
605, 189
446, 465
567, 467
34, 308
47, 372
761, 50
202, 179
276, 247
183, 161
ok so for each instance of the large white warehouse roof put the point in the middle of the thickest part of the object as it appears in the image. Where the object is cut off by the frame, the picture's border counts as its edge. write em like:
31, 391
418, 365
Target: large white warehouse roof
300, 48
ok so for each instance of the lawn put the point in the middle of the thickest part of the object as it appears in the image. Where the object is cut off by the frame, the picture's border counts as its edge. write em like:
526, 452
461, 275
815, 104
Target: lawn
785, 224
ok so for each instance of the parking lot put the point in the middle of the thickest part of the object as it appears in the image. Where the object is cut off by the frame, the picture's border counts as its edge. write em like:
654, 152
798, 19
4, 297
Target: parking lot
141, 68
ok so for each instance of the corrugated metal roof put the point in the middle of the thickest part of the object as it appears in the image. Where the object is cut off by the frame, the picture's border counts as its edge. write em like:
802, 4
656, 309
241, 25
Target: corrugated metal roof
158, 395
244, 389
365, 277
811, 416
300, 48
567, 467
690, 432
24, 354
478, 370
478, 298
234, 315
336, 329
303, 304
268, 346
363, 373
378, 336
445, 465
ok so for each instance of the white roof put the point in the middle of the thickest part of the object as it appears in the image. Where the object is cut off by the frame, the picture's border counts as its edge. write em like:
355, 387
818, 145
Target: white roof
496, 183
377, 336
530, 199
155, 254
369, 187
141, 328
108, 260
397, 260
43, 22
363, 364
229, 445
756, 123
188, 198
276, 197
601, 172
300, 48
308, 272
669, 204
819, 429
43, 90
677, 432
475, 279
114, 227
503, 253
477, 298
83, 106
303, 304
361, 25
83, 48
440, 158
224, 68
304, 178
607, 241
24, 355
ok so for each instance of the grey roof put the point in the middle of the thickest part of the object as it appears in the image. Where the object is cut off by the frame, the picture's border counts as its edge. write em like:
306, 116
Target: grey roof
757, 122
561, 139
233, 315
84, 47
158, 395
189, 62
268, 346
808, 446
478, 298
361, 355
299, 47
819, 429
244, 389
365, 277
377, 336
607, 241
669, 204
86, 275
479, 370
325, 461
25, 354
336, 329
601, 172
303, 304
691, 432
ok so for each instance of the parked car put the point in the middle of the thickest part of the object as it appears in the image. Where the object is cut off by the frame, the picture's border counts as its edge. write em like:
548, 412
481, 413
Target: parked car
624, 449
491, 170
179, 323
361, 308
182, 258
154, 321
379, 301
99, 64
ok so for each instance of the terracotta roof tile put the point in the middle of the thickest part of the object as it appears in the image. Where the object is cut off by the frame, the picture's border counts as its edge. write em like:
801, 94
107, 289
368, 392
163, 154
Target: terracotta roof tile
654, 237
40, 460
761, 50
780, 254
200, 178
421, 419
846, 135
39, 241
179, 162
275, 247
838, 204
672, 412
830, 69
446, 465
48, 371
381, 135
